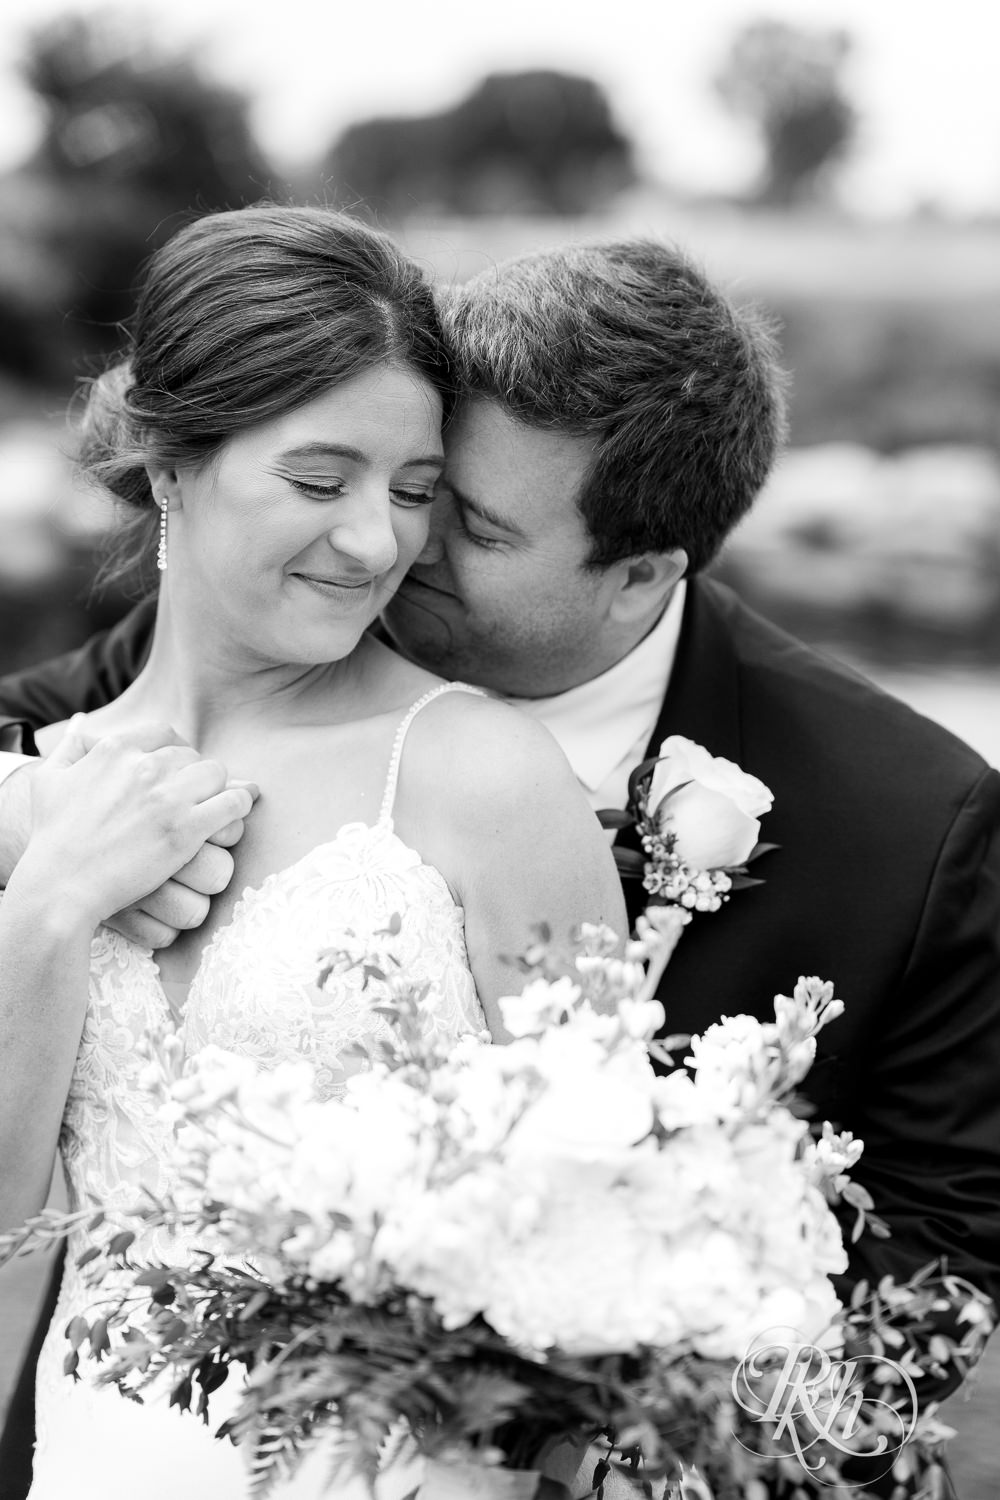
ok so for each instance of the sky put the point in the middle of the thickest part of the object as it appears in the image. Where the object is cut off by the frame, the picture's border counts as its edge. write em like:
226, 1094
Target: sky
923, 77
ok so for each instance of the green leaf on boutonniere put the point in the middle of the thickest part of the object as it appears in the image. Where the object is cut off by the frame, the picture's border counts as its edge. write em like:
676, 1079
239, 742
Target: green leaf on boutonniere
629, 862
742, 882
610, 817
643, 769
759, 849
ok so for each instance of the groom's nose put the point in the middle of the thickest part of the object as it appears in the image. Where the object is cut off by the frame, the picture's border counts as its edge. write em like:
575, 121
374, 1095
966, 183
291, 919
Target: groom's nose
431, 553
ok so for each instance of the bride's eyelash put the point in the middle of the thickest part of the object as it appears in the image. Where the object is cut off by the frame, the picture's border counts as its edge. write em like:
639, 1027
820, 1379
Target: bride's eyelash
316, 490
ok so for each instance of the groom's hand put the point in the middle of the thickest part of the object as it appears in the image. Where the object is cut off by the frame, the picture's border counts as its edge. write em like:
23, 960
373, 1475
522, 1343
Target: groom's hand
181, 903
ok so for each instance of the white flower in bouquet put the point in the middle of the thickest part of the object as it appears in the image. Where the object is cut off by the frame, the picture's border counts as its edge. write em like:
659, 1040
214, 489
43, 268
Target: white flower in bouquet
593, 1106
541, 1004
712, 807
833, 1153
572, 1282
736, 1059
448, 1244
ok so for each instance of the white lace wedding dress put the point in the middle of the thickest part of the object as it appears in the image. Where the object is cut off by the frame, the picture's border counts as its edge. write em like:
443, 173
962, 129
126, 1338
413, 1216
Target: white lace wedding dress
254, 993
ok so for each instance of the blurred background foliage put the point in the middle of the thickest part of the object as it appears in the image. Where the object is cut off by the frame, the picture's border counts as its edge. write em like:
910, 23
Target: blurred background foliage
882, 528
788, 81
538, 142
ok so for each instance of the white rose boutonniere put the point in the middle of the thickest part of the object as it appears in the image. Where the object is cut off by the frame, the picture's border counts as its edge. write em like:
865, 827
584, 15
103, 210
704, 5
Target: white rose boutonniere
698, 821
712, 807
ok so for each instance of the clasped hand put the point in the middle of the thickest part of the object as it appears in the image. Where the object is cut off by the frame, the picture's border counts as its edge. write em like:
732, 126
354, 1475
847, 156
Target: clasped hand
138, 826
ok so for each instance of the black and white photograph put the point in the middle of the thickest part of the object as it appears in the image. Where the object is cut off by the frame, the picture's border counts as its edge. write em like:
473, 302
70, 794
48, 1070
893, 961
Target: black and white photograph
499, 750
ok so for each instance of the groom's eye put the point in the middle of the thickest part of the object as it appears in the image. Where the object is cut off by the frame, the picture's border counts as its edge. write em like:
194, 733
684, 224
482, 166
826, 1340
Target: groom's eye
476, 537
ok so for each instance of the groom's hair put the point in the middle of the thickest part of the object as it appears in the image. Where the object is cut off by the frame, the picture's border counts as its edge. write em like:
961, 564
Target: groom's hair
629, 345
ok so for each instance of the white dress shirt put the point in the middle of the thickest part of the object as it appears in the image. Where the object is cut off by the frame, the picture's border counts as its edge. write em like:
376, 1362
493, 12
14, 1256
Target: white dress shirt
603, 726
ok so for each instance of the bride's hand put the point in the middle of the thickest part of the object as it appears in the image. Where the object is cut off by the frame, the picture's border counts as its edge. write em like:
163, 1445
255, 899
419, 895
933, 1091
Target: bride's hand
117, 819
181, 903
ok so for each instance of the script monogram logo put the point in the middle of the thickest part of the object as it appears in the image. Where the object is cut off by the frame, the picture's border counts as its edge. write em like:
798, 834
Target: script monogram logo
813, 1403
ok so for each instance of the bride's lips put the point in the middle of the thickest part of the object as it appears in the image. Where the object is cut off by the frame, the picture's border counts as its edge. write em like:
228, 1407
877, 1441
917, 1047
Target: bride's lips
336, 588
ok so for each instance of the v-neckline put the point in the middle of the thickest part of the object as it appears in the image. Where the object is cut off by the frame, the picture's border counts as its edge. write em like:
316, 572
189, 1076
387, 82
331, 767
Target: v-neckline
252, 894
248, 897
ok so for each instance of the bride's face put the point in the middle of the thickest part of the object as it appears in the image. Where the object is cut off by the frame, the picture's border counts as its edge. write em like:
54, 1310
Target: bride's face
290, 541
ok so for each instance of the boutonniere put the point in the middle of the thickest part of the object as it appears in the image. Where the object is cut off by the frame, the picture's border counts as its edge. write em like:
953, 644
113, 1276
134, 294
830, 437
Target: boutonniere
698, 821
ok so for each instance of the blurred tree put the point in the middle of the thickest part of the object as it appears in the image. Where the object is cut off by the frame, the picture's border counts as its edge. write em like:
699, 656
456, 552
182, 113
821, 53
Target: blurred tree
787, 80
534, 142
119, 112
133, 140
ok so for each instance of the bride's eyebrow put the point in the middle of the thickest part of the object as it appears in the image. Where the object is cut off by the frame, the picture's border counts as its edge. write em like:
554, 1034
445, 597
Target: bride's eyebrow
325, 450
345, 450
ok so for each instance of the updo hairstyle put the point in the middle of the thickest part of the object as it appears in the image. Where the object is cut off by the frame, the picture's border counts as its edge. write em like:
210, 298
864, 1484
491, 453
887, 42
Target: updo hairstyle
241, 317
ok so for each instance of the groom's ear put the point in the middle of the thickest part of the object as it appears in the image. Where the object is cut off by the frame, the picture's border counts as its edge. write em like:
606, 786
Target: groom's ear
646, 583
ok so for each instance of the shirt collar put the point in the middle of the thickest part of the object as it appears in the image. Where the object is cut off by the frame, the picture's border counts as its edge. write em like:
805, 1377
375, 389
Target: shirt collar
598, 722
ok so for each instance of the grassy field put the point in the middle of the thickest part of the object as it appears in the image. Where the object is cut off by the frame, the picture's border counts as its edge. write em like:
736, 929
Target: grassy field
971, 706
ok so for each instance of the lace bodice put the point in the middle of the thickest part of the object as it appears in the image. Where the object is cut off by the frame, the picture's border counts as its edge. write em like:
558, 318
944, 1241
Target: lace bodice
255, 993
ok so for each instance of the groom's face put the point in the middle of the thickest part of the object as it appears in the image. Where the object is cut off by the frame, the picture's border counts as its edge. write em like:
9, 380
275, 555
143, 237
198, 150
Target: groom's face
501, 595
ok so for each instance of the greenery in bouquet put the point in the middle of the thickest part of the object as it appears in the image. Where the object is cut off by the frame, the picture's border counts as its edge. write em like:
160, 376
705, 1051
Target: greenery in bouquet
478, 1251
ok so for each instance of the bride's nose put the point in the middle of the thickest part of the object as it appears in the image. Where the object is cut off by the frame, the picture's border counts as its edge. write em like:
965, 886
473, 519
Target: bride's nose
366, 535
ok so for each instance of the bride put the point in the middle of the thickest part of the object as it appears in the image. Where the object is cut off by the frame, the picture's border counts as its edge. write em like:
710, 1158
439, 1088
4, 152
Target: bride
277, 431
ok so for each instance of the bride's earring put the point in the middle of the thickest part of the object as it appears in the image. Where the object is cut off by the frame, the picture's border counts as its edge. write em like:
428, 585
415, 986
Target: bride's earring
161, 551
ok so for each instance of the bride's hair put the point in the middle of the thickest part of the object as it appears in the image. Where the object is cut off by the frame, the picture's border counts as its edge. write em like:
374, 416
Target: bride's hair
243, 316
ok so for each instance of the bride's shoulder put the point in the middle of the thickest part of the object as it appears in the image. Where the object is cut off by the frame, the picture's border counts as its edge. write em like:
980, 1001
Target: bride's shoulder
470, 746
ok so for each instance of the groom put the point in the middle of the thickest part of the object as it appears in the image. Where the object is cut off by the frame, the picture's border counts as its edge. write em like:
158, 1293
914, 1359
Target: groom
619, 418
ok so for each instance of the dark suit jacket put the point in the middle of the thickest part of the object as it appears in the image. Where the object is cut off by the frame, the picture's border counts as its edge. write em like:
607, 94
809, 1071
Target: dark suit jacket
887, 881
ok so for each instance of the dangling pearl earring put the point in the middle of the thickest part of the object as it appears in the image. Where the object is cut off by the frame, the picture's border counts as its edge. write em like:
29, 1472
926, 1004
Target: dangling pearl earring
161, 551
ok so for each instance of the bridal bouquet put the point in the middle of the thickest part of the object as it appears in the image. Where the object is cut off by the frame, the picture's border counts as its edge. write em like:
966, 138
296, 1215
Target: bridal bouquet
474, 1253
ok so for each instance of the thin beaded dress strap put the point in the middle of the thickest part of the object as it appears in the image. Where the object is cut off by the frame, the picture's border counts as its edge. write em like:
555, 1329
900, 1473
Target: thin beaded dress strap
389, 795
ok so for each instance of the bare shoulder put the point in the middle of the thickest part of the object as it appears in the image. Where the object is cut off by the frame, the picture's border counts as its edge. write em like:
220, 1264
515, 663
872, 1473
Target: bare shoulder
490, 800
469, 746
